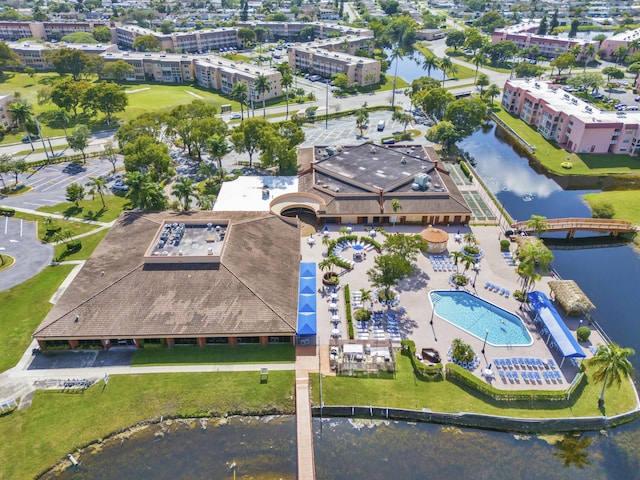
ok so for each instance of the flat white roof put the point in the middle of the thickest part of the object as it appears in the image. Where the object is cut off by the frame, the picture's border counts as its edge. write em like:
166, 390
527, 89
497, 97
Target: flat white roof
560, 100
245, 194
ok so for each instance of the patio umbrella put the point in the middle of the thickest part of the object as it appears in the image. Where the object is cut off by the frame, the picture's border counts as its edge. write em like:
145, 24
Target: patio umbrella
335, 332
358, 247
335, 318
326, 228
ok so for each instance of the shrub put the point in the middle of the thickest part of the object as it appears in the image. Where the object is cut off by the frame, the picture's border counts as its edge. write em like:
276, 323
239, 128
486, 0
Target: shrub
362, 315
471, 250
466, 171
7, 212
459, 279
520, 296
347, 306
422, 371
462, 352
602, 210
583, 333
73, 247
505, 245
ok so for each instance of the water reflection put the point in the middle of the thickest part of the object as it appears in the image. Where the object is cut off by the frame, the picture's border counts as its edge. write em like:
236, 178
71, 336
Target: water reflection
415, 451
261, 449
410, 68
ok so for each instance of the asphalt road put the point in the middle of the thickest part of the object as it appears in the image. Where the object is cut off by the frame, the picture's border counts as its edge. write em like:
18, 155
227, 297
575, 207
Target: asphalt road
18, 238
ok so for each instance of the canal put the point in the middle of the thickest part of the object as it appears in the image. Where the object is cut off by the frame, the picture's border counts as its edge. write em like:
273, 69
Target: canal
347, 449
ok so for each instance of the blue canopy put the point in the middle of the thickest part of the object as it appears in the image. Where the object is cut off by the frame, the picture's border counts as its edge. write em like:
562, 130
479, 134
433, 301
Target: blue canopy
547, 313
308, 286
307, 311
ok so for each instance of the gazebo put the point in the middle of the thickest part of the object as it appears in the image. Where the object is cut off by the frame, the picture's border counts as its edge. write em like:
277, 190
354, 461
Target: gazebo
436, 238
571, 297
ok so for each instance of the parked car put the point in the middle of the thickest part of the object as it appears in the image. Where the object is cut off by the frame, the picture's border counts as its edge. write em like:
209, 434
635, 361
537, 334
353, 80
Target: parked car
235, 116
34, 136
119, 187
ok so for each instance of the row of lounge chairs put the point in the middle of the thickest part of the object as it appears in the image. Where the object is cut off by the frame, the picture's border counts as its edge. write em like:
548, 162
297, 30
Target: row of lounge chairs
524, 363
497, 289
535, 376
511, 260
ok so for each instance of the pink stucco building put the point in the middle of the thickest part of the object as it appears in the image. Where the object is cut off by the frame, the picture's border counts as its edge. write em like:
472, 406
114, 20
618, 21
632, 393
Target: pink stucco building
574, 124
524, 36
624, 39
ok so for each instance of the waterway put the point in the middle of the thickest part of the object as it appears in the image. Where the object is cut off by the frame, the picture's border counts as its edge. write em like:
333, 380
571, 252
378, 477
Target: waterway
410, 68
350, 450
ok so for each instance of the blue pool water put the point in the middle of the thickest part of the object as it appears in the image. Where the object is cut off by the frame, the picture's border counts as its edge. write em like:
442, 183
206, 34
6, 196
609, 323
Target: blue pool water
476, 316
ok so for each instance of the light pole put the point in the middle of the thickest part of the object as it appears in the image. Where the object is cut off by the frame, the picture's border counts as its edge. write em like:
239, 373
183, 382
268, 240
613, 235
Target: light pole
485, 341
326, 108
476, 268
234, 467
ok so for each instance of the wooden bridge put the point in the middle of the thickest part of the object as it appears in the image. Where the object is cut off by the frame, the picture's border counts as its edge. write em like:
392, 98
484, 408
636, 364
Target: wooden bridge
572, 225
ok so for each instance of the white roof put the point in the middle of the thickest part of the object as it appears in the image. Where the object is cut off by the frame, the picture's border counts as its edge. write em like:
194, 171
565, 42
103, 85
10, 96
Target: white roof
352, 348
244, 194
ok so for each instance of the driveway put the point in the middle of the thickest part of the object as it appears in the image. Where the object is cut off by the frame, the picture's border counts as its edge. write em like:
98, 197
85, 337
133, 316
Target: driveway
18, 238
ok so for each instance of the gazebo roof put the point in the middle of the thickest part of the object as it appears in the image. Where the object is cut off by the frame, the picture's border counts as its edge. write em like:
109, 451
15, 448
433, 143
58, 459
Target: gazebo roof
434, 235
571, 297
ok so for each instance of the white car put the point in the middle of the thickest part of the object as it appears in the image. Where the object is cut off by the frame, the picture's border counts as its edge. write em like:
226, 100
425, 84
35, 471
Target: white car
235, 116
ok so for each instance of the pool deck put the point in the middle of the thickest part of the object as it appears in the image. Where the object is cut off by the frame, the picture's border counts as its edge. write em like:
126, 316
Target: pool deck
414, 322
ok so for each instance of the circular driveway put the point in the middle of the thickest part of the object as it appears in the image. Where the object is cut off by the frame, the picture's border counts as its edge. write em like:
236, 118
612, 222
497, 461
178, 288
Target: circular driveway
19, 239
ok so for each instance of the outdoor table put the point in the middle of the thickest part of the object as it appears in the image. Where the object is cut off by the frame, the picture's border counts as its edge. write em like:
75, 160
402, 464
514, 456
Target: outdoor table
334, 296
333, 306
335, 318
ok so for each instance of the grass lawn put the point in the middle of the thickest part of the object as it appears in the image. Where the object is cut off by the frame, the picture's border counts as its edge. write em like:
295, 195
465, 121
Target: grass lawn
57, 423
89, 244
73, 226
407, 392
215, 354
7, 261
551, 155
626, 203
90, 209
462, 71
23, 308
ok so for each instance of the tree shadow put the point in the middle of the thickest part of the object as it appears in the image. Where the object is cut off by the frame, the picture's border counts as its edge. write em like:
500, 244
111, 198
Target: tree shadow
91, 215
72, 211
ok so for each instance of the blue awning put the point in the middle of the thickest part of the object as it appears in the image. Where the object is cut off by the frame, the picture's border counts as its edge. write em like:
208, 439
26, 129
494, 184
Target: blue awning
307, 311
563, 337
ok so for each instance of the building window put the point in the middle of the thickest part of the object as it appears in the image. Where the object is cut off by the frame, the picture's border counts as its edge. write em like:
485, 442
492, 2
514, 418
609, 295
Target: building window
248, 340
186, 341
56, 345
89, 344
217, 340
280, 339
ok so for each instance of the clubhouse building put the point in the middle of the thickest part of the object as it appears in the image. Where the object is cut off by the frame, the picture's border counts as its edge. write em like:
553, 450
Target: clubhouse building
203, 278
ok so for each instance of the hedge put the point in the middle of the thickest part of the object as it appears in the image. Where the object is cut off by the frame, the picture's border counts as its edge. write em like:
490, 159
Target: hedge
458, 375
347, 306
422, 371
465, 169
371, 241
7, 212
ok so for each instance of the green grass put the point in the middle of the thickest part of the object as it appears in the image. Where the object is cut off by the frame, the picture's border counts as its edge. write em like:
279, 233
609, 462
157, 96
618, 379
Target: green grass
626, 203
7, 261
462, 72
23, 308
215, 354
75, 227
551, 155
90, 209
89, 244
406, 392
58, 423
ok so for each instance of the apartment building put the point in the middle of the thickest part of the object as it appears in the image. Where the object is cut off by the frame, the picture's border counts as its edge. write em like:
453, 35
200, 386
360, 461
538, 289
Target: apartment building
574, 124
524, 36
222, 74
291, 30
625, 39
12, 31
188, 42
156, 67
32, 54
359, 70
5, 116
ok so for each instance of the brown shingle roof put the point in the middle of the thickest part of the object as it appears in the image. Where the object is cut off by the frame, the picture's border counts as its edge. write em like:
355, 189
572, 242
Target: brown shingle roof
236, 297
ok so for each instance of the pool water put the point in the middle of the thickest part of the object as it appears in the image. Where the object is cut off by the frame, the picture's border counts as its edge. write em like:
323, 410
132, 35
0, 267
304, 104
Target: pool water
475, 316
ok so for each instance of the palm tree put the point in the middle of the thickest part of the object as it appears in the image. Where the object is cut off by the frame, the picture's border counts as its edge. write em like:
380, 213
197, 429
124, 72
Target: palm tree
205, 202
240, 93
538, 224
457, 256
98, 185
61, 117
588, 53
482, 81
492, 92
470, 238
430, 62
396, 54
365, 296
533, 257
184, 190
286, 82
22, 113
396, 206
262, 86
478, 61
612, 366
446, 65
218, 147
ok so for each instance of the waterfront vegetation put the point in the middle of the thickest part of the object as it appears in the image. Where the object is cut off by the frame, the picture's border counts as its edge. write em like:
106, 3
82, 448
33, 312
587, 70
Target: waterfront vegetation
626, 203
285, 353
57, 423
551, 156
23, 308
406, 391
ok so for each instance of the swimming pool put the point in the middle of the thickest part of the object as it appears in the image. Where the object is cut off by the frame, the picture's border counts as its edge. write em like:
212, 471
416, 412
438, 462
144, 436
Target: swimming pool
475, 316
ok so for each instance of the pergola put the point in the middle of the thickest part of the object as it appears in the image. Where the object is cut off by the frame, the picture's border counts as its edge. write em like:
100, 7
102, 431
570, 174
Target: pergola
571, 297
